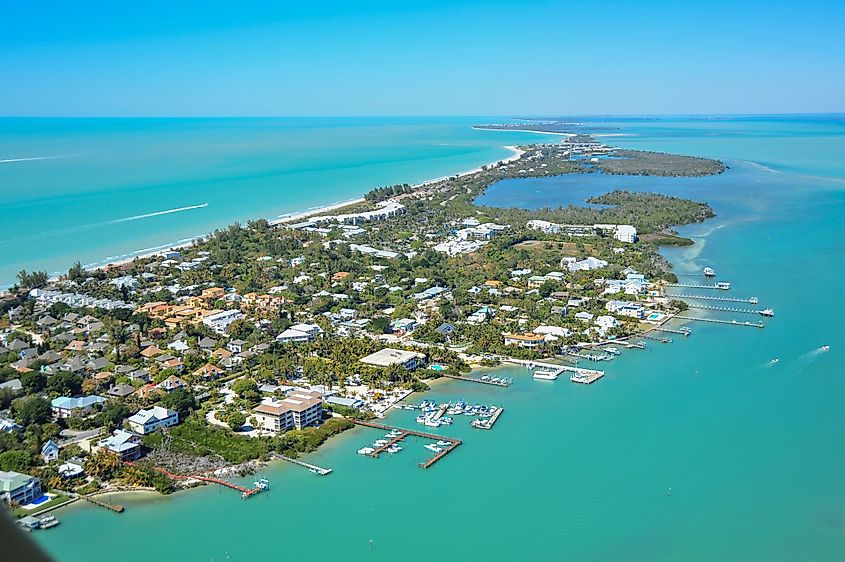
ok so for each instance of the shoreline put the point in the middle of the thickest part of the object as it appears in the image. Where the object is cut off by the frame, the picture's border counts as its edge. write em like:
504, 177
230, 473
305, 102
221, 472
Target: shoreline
289, 217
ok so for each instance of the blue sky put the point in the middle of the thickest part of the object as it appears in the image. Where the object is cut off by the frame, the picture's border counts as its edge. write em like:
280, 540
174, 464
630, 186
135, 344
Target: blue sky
433, 57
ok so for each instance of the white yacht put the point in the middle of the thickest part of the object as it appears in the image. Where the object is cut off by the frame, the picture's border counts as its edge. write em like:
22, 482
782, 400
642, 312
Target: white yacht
366, 451
709, 272
546, 375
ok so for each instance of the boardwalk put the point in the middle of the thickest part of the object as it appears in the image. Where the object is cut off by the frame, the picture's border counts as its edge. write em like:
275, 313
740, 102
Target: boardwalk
404, 433
245, 492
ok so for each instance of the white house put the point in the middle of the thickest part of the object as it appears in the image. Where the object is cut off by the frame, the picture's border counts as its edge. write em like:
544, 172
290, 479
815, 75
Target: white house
147, 421
300, 333
220, 321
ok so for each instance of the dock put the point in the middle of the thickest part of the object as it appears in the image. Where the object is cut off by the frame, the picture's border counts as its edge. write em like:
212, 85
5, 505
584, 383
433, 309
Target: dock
489, 422
479, 381
318, 470
724, 308
695, 286
728, 322
660, 339
749, 300
588, 356
245, 492
404, 433
117, 508
587, 378
679, 331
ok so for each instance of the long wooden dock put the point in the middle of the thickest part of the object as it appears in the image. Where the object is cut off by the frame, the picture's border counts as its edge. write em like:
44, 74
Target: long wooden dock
680, 331
319, 470
723, 308
728, 322
660, 339
479, 381
117, 508
749, 300
404, 433
695, 286
245, 492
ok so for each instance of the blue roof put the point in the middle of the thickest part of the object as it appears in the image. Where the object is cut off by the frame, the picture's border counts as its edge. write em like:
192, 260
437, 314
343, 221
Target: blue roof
71, 403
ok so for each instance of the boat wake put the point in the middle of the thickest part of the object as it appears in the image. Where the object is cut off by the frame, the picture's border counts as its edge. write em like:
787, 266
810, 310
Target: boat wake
11, 160
155, 214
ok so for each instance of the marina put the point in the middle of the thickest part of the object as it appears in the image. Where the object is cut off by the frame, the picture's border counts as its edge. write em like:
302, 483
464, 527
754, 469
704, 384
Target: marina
441, 446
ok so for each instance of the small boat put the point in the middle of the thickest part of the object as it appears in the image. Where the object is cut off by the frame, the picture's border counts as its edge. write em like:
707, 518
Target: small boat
444, 443
723, 285
824, 348
753, 300
421, 419
775, 360
767, 312
611, 350
394, 449
433, 448
429, 422
380, 442
47, 522
366, 451
709, 272
262, 484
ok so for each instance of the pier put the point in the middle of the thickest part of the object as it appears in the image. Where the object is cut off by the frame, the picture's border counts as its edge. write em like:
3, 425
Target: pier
245, 492
587, 378
117, 508
749, 300
489, 422
728, 322
696, 286
587, 356
479, 381
679, 331
318, 470
404, 433
724, 309
660, 339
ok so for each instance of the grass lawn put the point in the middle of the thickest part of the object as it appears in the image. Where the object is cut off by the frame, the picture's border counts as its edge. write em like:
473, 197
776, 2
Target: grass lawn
59, 499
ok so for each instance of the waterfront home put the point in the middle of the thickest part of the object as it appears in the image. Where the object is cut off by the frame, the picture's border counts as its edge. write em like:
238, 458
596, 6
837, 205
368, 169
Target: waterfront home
49, 451
388, 357
147, 421
298, 409
17, 488
123, 444
606, 322
625, 308
66, 407
300, 333
529, 340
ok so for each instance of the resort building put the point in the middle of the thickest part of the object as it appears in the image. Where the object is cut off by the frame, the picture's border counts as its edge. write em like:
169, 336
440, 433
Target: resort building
147, 421
19, 488
388, 357
299, 409
65, 407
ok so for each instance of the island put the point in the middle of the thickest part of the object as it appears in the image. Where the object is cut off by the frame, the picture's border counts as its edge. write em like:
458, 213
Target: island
261, 341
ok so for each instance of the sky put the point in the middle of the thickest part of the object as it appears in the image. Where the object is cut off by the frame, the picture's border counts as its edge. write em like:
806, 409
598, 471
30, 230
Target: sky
431, 57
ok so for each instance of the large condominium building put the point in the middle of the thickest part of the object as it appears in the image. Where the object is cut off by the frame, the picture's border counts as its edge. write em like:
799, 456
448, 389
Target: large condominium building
299, 409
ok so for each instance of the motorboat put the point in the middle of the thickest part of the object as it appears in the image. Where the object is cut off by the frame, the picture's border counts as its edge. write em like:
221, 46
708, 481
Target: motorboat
767, 312
825, 348
433, 448
709, 272
366, 451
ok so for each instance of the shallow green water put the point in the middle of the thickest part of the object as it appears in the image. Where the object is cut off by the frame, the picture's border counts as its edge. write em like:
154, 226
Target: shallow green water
694, 450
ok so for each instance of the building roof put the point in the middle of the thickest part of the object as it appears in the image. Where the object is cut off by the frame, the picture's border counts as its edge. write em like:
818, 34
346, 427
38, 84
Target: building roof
153, 414
388, 356
10, 480
67, 403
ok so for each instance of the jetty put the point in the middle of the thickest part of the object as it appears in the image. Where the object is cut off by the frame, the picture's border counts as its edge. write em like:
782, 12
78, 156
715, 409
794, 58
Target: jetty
406, 432
728, 322
489, 422
749, 300
245, 492
500, 382
116, 507
318, 470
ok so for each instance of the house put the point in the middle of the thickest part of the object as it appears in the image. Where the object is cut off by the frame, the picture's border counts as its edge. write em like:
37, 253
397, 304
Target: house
171, 383
9, 426
345, 402
299, 409
71, 469
207, 344
388, 357
220, 321
14, 385
147, 421
606, 322
583, 316
120, 390
123, 444
50, 451
208, 371
445, 329
19, 488
300, 333
236, 346
528, 340
625, 308
65, 407
553, 332
403, 325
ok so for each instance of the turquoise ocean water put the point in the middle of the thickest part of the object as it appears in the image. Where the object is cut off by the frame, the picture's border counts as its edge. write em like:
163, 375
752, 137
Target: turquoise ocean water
98, 190
695, 450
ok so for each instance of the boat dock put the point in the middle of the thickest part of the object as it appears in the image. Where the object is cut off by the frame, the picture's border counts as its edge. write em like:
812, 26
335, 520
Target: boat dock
679, 331
587, 356
750, 300
489, 422
724, 309
588, 377
319, 470
660, 339
695, 286
117, 508
404, 433
728, 322
480, 381
245, 492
